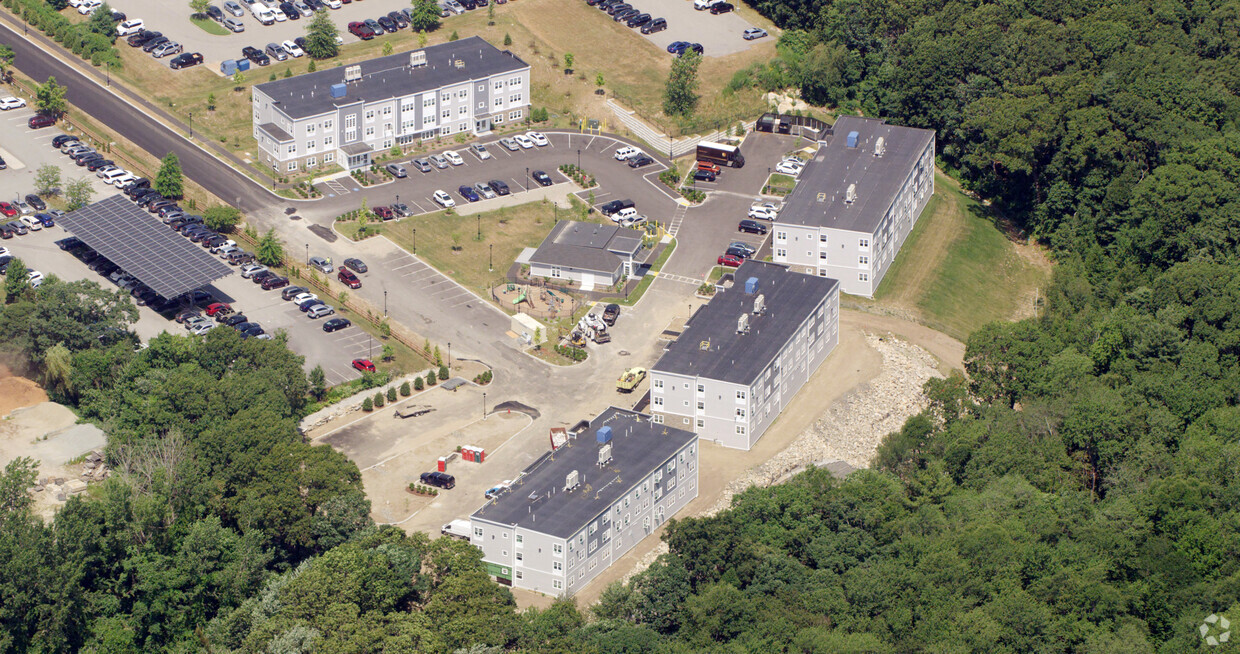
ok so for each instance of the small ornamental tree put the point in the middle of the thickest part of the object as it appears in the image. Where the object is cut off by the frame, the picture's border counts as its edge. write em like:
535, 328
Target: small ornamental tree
443, 373
404, 390
368, 405
430, 379
378, 400
169, 181
391, 394
418, 384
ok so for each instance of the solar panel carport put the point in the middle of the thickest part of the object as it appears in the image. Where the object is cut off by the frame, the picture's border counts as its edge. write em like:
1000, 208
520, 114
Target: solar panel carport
142, 246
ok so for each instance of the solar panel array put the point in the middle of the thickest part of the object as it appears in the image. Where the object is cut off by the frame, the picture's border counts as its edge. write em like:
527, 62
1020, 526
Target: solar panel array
144, 247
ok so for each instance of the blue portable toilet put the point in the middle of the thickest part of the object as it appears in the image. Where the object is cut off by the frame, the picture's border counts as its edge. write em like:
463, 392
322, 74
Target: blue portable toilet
603, 435
228, 67
243, 64
852, 139
751, 286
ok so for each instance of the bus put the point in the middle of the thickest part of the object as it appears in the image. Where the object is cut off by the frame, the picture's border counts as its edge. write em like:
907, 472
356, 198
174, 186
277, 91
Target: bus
718, 153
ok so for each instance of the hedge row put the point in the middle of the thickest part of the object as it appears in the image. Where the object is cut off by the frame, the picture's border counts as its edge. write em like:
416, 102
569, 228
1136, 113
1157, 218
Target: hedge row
77, 38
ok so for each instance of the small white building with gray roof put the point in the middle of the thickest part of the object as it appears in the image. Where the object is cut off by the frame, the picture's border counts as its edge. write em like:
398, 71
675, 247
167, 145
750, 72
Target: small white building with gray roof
856, 202
587, 253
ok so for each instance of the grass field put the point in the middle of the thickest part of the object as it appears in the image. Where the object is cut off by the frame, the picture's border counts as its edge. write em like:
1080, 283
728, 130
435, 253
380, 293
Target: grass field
957, 270
210, 27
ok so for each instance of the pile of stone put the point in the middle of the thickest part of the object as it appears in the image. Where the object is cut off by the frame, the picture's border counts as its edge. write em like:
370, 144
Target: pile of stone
58, 488
94, 468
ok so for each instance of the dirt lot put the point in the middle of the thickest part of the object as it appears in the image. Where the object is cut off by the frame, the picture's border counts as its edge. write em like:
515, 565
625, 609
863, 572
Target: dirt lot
17, 392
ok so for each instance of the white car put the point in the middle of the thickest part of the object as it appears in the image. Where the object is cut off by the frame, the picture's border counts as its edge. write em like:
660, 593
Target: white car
279, 16
625, 152
201, 328
480, 151
523, 141
130, 27
789, 168
293, 49
10, 102
538, 139
32, 223
302, 297
89, 7
4, 252
121, 181
453, 158
249, 270
761, 213
334, 4
444, 200
35, 278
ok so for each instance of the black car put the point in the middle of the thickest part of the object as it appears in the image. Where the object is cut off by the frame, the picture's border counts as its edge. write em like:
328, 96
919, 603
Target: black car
305, 304
214, 241
640, 160
696, 47
260, 277
67, 244
290, 11
336, 324
234, 319
137, 187
142, 38
274, 281
469, 5
251, 329
387, 24
96, 164
611, 313
36, 202
215, 13
60, 140
255, 55
499, 187
356, 264
624, 15
154, 43
735, 251
86, 157
704, 176
656, 25
440, 479
751, 226
399, 19
615, 206
721, 8
542, 178
638, 20
185, 60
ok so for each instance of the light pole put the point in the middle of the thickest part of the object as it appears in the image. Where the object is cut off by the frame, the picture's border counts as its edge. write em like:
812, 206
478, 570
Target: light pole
449, 354
415, 240
484, 405
385, 303
397, 198
479, 227
307, 254
579, 160
370, 354
491, 257
526, 181
108, 64
191, 125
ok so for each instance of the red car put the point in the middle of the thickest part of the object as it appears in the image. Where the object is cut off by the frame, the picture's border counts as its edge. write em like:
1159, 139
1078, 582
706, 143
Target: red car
222, 307
384, 213
41, 120
364, 365
347, 278
730, 260
7, 209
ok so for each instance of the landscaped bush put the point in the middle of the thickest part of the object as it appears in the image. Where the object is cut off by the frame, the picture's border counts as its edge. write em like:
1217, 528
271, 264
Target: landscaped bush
430, 378
443, 373
404, 390
367, 405
378, 400
483, 379
581, 177
391, 394
418, 384
574, 353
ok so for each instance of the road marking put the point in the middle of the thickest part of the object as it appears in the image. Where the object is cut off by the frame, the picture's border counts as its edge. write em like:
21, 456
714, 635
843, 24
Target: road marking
413, 263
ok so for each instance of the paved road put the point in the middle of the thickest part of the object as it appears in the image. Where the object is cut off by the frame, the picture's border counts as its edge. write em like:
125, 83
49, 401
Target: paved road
146, 133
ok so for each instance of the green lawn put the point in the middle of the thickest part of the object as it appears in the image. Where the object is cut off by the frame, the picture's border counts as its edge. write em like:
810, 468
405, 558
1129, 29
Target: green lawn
209, 26
957, 270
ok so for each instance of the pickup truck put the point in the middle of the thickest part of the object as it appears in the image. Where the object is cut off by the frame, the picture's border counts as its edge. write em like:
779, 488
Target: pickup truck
630, 379
457, 529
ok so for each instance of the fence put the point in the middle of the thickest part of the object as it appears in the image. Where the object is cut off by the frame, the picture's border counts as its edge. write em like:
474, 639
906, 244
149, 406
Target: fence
807, 126
660, 141
363, 310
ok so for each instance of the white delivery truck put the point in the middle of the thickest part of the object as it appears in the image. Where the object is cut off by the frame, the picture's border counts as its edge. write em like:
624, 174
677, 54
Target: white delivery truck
457, 529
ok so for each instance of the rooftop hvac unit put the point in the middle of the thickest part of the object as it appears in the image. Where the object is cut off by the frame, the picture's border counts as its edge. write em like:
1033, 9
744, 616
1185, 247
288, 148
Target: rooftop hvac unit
417, 58
759, 304
851, 196
879, 147
352, 73
604, 454
751, 286
852, 138
704, 345
338, 90
742, 324
603, 435
572, 480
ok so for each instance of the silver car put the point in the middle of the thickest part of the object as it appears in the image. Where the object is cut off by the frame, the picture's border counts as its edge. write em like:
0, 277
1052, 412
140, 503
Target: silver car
323, 265
485, 190
439, 161
480, 151
422, 165
234, 8
510, 144
320, 310
169, 48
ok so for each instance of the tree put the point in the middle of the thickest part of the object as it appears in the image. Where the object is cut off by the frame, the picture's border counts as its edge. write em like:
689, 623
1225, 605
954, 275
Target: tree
49, 98
389, 352
100, 22
311, 67
58, 370
222, 218
425, 16
210, 102
387, 47
270, 251
418, 384
404, 390
47, 179
507, 39
379, 401
568, 61
454, 36
598, 80
199, 7
391, 394
443, 372
430, 378
168, 181
78, 193
321, 36
421, 38
288, 72
16, 284
6, 61
318, 383
680, 97
238, 79
368, 405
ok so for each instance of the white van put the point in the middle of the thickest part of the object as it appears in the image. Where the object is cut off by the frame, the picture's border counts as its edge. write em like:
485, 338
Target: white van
625, 152
119, 180
263, 14
702, 5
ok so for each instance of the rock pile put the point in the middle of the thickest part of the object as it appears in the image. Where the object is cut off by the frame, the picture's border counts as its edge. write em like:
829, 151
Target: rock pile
58, 489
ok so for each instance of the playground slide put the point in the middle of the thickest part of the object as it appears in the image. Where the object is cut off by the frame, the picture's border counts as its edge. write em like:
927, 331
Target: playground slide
519, 300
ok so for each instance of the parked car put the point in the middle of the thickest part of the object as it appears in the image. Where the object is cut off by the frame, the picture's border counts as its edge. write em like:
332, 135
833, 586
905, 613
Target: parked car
215, 13
142, 38
480, 151
655, 25
753, 33
374, 26
399, 19
639, 20
484, 190
762, 213
401, 209
721, 8
675, 47
292, 48
323, 265
319, 311
255, 55
355, 264
336, 324
730, 260
499, 187
509, 144
453, 158
443, 199
751, 226
61, 140
466, 191
640, 160
290, 12
542, 178
538, 138
40, 121
10, 102
439, 479
275, 51
611, 313
36, 202
615, 206
439, 161
8, 210
422, 165
364, 365
185, 60
704, 176
234, 8
361, 31
387, 24
234, 25
291, 292
397, 170
166, 49
306, 305
742, 246
347, 278
150, 46
696, 47
524, 141
130, 27
216, 308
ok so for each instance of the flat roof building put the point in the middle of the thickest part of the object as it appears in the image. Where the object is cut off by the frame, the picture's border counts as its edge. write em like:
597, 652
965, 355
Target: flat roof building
587, 253
577, 509
340, 116
746, 353
855, 203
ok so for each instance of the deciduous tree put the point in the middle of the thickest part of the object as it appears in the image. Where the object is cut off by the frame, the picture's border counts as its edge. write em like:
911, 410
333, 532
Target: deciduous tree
169, 181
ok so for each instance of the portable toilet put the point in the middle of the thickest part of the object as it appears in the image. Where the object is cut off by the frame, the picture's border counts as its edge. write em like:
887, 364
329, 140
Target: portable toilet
443, 464
228, 67
467, 453
482, 455
243, 64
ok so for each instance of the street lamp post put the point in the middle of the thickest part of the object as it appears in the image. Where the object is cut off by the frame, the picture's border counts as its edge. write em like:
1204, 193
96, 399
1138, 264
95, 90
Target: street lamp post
578, 160
526, 181
108, 64
371, 348
385, 303
191, 125
415, 240
484, 405
491, 258
479, 227
449, 354
307, 254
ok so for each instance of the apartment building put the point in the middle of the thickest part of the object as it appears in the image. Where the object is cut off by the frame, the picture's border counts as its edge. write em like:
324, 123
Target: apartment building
580, 507
744, 355
343, 116
856, 202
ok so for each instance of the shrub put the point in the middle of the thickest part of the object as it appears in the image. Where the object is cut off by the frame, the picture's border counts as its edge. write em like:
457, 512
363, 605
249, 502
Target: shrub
430, 379
391, 394
417, 384
367, 405
404, 390
443, 373
378, 400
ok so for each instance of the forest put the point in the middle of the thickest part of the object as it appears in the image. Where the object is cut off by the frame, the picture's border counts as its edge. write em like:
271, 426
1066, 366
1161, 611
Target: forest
1077, 491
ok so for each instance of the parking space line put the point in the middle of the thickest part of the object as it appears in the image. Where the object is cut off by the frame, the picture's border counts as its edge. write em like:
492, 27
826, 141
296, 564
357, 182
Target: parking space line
413, 263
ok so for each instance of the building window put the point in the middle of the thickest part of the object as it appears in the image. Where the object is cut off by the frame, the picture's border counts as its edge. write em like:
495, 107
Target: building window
822, 255
329, 157
520, 557
292, 165
350, 121
740, 413
864, 243
557, 549
740, 429
516, 81
518, 574
781, 236
514, 115
671, 465
292, 149
428, 120
822, 238
445, 130
593, 527
445, 97
520, 540
462, 110
505, 535
350, 134
499, 85
505, 553
370, 131
370, 115
822, 272
462, 93
328, 125
558, 567
555, 271
310, 129
863, 260
482, 105
499, 118
658, 420
701, 424
387, 111
312, 162
387, 144
701, 406
863, 277
740, 395
328, 141
309, 146
781, 253
557, 584
514, 98
478, 532
626, 520
446, 113
658, 476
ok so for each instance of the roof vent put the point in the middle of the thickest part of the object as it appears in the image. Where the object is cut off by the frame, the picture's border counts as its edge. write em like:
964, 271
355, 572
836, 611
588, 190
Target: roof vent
352, 73
338, 90
742, 324
417, 58
603, 435
572, 480
852, 138
759, 304
604, 454
704, 345
851, 196
879, 147
751, 286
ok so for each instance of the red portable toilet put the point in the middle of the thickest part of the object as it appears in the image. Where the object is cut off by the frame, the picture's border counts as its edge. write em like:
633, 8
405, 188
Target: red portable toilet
467, 453
443, 464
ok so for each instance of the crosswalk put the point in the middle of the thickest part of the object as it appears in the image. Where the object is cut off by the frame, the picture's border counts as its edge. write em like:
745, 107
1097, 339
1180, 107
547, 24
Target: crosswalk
680, 278
677, 219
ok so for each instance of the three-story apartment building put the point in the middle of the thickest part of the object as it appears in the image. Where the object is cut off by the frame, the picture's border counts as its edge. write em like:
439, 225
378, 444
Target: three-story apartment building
341, 116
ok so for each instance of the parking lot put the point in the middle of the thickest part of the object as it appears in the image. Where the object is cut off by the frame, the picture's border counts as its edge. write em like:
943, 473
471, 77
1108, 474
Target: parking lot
719, 34
172, 19
25, 149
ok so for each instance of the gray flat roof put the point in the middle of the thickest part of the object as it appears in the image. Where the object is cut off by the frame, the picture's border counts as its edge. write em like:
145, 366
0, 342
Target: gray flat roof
790, 298
587, 246
142, 246
389, 77
836, 166
538, 500
273, 130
